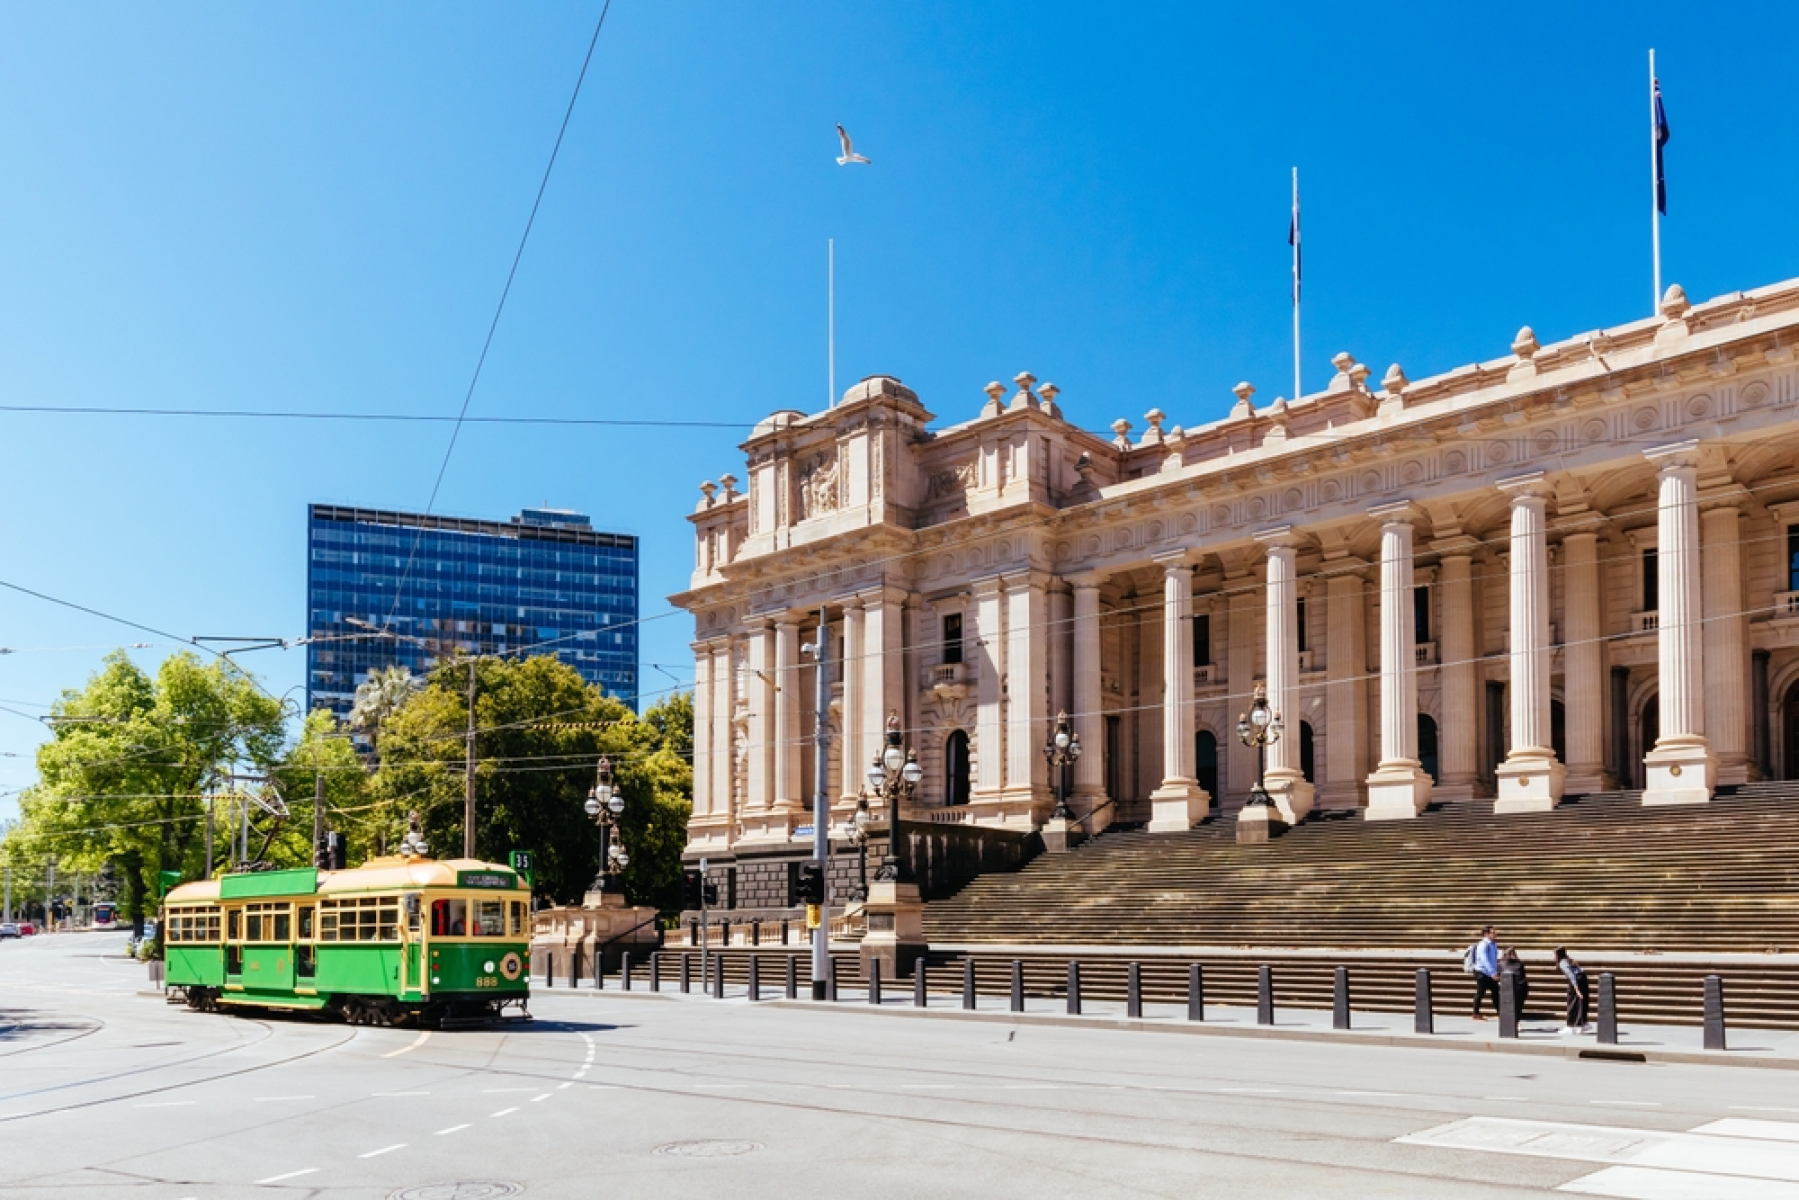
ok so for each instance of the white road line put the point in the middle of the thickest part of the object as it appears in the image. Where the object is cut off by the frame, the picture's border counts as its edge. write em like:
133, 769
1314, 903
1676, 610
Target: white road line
1768, 1131
423, 1037
383, 1150
390, 1094
916, 1086
1646, 1164
1257, 1091
165, 1104
535, 1099
503, 1112
272, 1099
289, 1175
1519, 1098
567, 1083
1627, 1103
451, 1129
1643, 1183
497, 1091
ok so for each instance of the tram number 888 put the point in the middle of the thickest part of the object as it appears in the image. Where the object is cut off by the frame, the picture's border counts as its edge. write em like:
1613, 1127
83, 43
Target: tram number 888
487, 981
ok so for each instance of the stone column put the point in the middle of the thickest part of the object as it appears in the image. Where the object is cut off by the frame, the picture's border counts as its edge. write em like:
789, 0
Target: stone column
1399, 786
984, 648
1180, 801
1459, 733
760, 791
1583, 658
1286, 782
703, 754
1028, 718
724, 747
1681, 769
1088, 711
1531, 778
787, 715
1726, 641
849, 712
1346, 683
882, 648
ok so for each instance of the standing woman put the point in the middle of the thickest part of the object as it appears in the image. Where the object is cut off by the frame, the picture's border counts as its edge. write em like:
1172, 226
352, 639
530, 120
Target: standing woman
1579, 995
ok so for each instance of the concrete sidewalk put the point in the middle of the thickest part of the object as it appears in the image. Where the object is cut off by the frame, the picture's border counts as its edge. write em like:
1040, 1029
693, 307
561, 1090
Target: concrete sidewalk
1766, 1048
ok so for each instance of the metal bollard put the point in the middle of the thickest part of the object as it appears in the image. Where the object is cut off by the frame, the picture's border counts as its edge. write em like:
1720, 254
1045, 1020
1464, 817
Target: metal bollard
718, 977
1133, 990
1423, 1018
1017, 986
574, 972
918, 985
624, 970
783, 931
655, 971
549, 969
1074, 988
874, 981
755, 978
793, 976
686, 973
1340, 1000
1264, 995
1196, 992
1714, 1013
1608, 1009
830, 979
968, 998
755, 933
1508, 1004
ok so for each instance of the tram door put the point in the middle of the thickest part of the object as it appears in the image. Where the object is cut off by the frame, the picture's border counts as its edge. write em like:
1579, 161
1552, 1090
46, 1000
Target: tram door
305, 952
234, 946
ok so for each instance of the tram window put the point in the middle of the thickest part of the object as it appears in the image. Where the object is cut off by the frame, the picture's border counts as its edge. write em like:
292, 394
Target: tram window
231, 923
390, 922
305, 922
283, 932
366, 928
518, 918
490, 918
253, 927
212, 927
449, 918
327, 923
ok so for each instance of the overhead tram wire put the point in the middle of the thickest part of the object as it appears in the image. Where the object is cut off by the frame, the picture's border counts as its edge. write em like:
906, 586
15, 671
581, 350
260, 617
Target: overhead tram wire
493, 325
437, 418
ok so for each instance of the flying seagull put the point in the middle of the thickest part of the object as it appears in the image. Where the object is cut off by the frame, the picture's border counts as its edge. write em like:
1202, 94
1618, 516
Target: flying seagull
849, 154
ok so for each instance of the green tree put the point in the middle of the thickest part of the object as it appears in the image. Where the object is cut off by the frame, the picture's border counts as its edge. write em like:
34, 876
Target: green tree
125, 776
542, 731
377, 698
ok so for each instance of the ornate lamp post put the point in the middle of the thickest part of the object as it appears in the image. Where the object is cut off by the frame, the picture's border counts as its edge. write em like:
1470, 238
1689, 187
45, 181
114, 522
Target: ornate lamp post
894, 774
1063, 747
604, 805
856, 830
1260, 728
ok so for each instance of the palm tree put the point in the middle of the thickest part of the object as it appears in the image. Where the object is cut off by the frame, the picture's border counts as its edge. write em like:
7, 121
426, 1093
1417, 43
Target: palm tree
377, 698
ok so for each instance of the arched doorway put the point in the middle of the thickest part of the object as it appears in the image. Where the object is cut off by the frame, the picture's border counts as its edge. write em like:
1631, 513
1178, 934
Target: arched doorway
1427, 744
1205, 761
1306, 754
955, 768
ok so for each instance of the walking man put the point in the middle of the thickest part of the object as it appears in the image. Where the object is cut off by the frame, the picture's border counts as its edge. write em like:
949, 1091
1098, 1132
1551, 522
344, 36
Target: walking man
1484, 958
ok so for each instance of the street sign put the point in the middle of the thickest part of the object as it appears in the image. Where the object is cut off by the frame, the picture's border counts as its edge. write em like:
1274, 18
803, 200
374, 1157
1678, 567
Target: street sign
803, 831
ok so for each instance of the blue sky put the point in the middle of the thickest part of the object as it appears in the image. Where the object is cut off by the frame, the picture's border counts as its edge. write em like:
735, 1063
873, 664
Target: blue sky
313, 208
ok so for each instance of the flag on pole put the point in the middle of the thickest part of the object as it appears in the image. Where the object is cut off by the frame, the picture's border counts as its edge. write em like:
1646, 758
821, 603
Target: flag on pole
1293, 236
1660, 117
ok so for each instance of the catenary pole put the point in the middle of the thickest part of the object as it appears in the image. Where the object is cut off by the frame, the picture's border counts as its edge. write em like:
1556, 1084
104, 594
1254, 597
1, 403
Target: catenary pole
318, 814
468, 771
821, 804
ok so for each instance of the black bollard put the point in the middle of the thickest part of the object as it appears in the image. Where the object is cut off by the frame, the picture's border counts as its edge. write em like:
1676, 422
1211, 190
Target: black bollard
874, 981
718, 977
1017, 986
1423, 1020
1608, 1009
624, 970
968, 1000
918, 985
1264, 995
549, 969
1340, 1000
1074, 988
1508, 1004
574, 971
686, 973
755, 978
793, 976
755, 933
783, 931
830, 979
1714, 1013
1196, 992
693, 933
1133, 990
655, 971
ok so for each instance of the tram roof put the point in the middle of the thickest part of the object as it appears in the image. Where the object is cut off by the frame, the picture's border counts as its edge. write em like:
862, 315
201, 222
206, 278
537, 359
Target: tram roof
377, 875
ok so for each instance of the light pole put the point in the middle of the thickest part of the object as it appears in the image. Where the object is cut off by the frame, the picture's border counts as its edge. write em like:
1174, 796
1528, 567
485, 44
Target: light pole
1063, 747
893, 774
1259, 728
856, 830
605, 805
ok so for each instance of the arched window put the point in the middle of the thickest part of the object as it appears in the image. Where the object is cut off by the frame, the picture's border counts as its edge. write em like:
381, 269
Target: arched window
1306, 759
955, 768
1205, 761
1427, 744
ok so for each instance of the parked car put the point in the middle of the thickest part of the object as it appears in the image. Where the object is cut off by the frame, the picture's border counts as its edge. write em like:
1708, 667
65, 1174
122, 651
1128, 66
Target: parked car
26, 929
8, 929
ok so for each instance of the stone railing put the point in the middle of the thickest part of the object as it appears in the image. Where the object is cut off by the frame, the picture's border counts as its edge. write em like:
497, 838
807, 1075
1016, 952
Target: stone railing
1786, 606
1644, 622
1426, 654
1207, 674
945, 675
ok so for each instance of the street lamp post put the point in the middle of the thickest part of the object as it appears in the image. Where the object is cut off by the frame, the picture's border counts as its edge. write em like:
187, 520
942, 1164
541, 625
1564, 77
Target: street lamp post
894, 774
856, 831
1259, 728
895, 910
1062, 749
605, 806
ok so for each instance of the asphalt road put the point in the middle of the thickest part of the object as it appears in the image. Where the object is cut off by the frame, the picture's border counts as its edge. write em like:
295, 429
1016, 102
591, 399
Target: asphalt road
106, 1093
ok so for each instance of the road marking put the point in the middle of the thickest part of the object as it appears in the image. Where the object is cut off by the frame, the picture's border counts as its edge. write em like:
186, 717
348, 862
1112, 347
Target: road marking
1645, 1183
535, 1099
1374, 1093
383, 1150
1521, 1098
1259, 1091
1771, 1131
927, 1085
581, 1072
289, 1175
423, 1037
715, 1086
503, 1112
1628, 1103
451, 1129
272, 1099
165, 1104
399, 1093
567, 1083
497, 1091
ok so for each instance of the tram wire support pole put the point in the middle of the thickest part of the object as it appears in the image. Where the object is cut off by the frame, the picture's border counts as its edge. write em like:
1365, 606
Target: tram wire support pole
468, 771
821, 803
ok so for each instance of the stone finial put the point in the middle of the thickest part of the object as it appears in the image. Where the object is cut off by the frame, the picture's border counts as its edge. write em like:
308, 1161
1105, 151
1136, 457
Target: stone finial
996, 392
729, 483
1048, 392
1121, 434
1358, 375
1155, 417
1394, 382
1024, 396
1674, 301
1083, 467
1525, 344
1343, 360
1277, 415
706, 490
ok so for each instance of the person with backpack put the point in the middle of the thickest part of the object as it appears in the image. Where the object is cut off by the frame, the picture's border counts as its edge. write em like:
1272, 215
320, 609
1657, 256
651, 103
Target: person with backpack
1579, 993
1481, 960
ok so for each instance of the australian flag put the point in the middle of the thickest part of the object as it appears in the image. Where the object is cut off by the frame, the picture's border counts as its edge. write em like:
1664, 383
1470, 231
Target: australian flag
1293, 241
1661, 139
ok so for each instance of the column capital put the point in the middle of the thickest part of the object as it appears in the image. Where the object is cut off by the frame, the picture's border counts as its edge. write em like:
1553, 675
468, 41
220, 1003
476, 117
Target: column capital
1731, 496
1176, 560
1675, 456
1087, 579
1458, 545
987, 586
1525, 488
1400, 512
1281, 537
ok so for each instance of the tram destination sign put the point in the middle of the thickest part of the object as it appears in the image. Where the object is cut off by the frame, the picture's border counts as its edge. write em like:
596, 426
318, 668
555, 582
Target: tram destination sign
486, 879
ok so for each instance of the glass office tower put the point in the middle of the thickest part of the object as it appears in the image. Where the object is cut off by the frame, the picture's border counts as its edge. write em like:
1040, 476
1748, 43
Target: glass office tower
545, 582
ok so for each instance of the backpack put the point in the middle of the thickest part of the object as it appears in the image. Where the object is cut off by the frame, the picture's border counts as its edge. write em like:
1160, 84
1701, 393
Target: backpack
1468, 959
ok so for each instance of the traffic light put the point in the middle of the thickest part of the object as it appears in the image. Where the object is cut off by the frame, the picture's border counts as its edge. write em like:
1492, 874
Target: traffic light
337, 855
811, 883
712, 895
690, 889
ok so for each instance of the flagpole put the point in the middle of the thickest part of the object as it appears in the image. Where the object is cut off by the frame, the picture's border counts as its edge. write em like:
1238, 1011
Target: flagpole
831, 321
1655, 208
1296, 388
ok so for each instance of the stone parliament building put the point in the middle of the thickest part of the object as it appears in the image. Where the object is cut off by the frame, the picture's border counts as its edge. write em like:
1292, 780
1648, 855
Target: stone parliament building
1568, 570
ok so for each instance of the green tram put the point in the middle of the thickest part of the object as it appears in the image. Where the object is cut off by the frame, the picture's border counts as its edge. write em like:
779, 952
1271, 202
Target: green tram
396, 940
